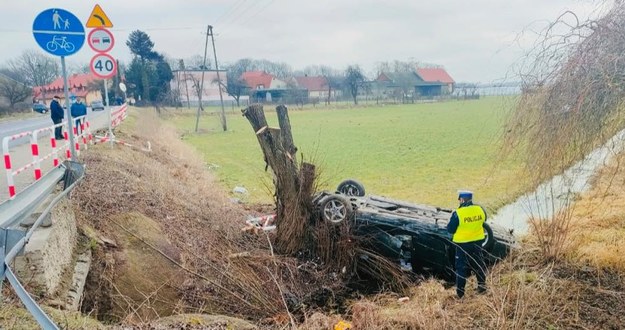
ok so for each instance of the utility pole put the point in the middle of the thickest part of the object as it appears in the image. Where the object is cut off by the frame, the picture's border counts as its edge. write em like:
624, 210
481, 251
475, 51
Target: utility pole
221, 98
199, 95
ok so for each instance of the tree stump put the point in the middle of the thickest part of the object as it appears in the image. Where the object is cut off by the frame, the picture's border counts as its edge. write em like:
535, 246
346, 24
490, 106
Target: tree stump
293, 187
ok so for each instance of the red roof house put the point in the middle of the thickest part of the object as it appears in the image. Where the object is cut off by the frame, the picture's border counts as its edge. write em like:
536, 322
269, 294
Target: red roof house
257, 79
313, 84
78, 85
435, 75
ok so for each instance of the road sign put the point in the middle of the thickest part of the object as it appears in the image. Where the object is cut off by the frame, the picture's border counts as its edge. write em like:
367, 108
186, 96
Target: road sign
58, 32
122, 87
101, 40
98, 18
103, 66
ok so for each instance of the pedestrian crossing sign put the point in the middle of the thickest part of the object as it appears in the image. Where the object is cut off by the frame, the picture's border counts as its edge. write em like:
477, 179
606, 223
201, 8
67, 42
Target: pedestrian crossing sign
98, 18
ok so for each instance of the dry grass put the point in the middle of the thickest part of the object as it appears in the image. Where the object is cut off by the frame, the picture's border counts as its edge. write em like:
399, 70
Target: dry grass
523, 294
598, 231
226, 271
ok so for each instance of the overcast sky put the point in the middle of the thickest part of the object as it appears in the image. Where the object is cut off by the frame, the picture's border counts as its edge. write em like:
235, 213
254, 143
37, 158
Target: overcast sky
475, 40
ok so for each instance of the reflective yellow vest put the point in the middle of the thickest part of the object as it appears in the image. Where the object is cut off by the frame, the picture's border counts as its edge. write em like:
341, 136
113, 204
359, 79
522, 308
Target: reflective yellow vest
470, 224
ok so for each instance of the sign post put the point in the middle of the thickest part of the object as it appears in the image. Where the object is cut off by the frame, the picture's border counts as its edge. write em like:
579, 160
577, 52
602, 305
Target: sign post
102, 65
60, 33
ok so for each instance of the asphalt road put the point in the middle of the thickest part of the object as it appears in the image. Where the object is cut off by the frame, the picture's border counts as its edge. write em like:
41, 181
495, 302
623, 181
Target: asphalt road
20, 149
17, 126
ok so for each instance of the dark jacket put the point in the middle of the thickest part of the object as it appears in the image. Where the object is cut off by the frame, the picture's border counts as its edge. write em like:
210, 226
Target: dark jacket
56, 110
452, 226
78, 109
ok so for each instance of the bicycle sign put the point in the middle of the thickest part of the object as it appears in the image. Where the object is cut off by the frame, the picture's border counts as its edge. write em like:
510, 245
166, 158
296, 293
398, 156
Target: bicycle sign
58, 32
103, 66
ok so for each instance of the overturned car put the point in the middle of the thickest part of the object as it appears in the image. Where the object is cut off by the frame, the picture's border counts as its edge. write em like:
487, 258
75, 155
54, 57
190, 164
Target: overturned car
414, 235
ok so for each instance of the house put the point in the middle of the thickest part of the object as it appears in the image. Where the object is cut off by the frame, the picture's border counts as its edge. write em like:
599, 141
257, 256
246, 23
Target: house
398, 85
265, 87
79, 85
186, 86
434, 77
422, 83
259, 80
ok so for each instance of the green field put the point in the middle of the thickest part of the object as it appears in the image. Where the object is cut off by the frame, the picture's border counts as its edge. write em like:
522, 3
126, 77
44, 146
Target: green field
416, 152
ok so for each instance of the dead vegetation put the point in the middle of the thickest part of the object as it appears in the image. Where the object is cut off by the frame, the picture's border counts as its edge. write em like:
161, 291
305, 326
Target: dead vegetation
299, 230
572, 102
572, 94
221, 269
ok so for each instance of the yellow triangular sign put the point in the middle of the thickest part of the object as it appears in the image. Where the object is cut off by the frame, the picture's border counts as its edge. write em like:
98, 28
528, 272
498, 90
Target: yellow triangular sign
98, 18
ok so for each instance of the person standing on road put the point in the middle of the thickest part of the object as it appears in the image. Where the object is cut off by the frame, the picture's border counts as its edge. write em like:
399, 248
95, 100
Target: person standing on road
57, 114
467, 226
78, 109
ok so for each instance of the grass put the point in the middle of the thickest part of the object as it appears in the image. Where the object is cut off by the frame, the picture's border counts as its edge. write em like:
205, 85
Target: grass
421, 152
12, 317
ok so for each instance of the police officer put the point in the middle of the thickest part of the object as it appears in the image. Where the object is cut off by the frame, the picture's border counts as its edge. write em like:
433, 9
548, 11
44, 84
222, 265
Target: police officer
467, 226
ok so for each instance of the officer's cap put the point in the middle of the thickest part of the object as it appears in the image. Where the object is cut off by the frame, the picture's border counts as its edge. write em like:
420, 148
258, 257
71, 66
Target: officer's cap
465, 194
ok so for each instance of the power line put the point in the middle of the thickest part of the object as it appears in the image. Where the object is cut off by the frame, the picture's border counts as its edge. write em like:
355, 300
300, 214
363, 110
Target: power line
259, 10
230, 10
241, 14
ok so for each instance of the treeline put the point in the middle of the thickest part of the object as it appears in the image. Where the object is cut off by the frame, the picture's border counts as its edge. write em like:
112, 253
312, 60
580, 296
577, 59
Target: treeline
149, 73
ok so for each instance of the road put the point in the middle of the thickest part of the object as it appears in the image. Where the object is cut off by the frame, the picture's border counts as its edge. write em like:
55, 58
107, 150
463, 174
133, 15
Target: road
20, 150
17, 126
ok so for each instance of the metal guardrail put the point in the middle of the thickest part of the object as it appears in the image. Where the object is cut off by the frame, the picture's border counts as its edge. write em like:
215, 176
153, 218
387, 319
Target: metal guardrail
9, 239
14, 210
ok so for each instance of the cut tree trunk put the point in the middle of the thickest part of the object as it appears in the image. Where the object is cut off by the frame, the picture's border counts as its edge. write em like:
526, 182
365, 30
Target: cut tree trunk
293, 187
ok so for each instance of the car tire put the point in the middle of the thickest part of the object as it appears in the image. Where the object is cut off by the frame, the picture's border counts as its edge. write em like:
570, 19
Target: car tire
335, 209
351, 187
489, 239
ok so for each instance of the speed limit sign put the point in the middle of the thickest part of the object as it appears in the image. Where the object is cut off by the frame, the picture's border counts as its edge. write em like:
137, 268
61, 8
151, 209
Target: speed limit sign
103, 66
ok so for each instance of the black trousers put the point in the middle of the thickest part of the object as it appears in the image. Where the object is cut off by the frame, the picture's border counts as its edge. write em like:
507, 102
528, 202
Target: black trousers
469, 257
77, 123
58, 131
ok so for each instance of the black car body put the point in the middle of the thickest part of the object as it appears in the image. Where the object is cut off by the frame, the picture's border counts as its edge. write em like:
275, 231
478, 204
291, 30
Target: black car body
41, 108
414, 235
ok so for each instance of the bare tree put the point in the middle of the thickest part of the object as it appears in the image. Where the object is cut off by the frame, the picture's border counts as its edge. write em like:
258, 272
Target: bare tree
14, 90
197, 87
35, 68
333, 80
354, 80
236, 87
196, 62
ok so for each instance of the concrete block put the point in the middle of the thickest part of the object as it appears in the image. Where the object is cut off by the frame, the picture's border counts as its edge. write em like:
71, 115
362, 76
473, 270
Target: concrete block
49, 252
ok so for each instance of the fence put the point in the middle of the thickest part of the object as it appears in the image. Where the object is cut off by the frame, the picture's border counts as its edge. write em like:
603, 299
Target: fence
35, 158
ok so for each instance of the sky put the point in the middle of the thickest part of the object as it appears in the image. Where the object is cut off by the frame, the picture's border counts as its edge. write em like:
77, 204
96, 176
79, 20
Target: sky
474, 40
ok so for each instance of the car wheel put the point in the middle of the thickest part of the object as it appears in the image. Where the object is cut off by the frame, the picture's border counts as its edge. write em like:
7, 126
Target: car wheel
351, 188
489, 238
335, 209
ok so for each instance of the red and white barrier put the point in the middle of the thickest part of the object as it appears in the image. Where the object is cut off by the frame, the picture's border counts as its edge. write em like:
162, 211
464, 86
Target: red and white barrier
8, 166
265, 223
117, 116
